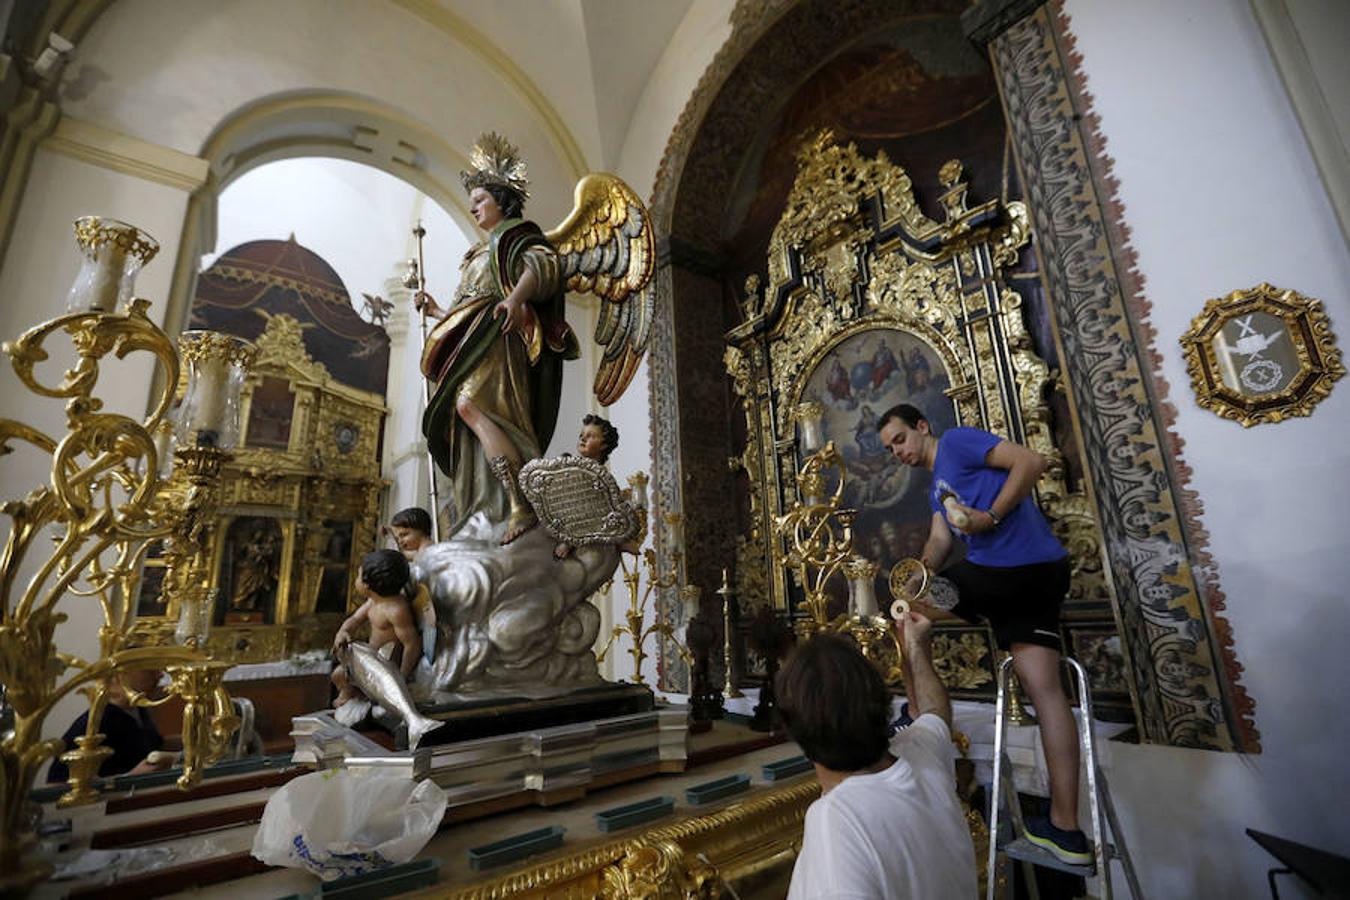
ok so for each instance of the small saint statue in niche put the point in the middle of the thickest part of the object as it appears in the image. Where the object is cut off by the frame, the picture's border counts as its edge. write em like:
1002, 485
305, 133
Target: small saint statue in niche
255, 569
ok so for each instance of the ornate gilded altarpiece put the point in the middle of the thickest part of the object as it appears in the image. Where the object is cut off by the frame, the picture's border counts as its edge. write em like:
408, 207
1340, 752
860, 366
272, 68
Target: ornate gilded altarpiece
1174, 645
299, 507
870, 303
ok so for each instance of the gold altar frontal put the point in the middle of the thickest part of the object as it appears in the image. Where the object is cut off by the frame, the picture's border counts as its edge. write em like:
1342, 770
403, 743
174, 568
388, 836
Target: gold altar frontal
747, 843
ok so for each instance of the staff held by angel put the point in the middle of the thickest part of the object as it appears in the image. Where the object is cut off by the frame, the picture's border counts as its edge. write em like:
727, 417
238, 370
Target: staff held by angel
496, 353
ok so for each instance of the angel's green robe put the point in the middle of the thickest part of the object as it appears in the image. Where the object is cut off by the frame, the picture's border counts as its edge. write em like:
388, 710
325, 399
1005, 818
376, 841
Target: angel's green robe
515, 379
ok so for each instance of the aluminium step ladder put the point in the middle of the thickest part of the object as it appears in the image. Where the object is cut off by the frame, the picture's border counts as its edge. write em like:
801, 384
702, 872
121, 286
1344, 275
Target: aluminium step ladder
1103, 812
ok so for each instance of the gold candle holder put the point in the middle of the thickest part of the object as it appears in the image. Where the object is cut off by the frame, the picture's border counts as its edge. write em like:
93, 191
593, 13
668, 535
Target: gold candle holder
638, 597
810, 417
105, 501
816, 542
729, 689
637, 490
113, 253
815, 537
862, 595
209, 414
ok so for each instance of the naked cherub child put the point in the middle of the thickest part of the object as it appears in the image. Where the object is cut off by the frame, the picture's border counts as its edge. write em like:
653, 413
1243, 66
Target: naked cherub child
384, 576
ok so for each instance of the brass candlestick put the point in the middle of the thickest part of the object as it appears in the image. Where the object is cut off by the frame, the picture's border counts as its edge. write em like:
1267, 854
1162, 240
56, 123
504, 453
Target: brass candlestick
105, 501
729, 689
637, 597
1017, 713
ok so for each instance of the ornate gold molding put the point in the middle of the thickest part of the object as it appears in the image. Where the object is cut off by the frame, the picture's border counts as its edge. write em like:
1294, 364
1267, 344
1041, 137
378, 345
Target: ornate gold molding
316, 480
687, 859
960, 660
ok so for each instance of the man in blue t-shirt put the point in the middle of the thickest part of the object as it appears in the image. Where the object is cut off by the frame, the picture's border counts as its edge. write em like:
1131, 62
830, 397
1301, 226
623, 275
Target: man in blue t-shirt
1015, 574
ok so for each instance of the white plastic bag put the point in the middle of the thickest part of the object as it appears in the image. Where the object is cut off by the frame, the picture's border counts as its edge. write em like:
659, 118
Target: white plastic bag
336, 824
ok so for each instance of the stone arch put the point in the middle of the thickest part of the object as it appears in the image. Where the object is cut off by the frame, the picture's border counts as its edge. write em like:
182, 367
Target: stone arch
105, 32
313, 123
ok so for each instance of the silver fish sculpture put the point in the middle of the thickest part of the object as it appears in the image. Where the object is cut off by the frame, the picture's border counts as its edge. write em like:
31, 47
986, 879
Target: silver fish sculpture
383, 683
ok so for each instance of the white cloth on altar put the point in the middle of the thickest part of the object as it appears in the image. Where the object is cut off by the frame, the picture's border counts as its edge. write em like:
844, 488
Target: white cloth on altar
892, 834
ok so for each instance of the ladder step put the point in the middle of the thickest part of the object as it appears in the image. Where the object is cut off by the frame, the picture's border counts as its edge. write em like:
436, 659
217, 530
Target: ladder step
1024, 850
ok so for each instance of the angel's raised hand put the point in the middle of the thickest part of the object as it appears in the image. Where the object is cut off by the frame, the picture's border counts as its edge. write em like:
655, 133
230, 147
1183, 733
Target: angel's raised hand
424, 302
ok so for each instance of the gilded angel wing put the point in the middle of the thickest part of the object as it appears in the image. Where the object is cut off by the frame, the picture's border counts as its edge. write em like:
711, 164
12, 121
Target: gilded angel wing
607, 249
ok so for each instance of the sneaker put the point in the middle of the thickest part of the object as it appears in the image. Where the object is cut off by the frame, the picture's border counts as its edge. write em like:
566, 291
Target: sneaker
1070, 847
904, 721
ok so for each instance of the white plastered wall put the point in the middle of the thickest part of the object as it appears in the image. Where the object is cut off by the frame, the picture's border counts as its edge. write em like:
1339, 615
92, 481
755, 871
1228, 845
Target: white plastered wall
212, 60
1221, 193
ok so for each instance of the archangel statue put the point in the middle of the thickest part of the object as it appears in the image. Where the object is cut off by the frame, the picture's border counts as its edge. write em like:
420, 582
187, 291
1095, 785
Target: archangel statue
496, 353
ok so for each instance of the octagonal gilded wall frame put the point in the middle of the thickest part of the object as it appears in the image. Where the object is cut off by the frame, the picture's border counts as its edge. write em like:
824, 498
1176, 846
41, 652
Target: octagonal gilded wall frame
1261, 355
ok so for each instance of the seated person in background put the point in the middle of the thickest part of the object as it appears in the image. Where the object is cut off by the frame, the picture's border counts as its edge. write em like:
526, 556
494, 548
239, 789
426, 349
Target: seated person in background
887, 824
127, 729
384, 580
411, 530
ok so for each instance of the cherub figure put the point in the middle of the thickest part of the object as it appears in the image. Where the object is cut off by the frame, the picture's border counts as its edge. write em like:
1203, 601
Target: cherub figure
577, 497
384, 580
597, 441
411, 530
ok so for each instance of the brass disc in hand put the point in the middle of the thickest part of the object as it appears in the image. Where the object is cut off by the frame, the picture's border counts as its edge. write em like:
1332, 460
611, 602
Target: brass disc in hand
902, 573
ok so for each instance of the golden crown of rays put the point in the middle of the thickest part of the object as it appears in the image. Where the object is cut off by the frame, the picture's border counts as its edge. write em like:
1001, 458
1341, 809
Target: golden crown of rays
497, 161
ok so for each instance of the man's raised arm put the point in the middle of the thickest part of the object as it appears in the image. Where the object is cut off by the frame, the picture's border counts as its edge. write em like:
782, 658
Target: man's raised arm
926, 693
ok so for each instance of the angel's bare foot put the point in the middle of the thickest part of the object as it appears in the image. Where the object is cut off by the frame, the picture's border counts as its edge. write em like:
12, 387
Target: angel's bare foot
562, 551
518, 526
344, 696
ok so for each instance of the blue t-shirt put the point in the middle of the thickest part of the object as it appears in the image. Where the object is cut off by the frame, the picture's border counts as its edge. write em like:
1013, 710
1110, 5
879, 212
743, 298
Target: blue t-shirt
1023, 537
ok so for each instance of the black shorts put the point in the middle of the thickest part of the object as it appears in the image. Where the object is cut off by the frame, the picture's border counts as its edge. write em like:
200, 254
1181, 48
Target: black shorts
1021, 602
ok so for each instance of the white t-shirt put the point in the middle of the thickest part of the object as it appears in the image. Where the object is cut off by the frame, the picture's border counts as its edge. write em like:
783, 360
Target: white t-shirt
897, 833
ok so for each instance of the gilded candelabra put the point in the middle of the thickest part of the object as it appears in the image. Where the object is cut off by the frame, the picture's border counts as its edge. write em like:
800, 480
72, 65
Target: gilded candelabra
816, 541
816, 536
636, 614
106, 500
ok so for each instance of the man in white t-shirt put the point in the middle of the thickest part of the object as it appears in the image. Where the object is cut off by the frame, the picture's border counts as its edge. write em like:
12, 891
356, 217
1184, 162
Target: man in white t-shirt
888, 824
